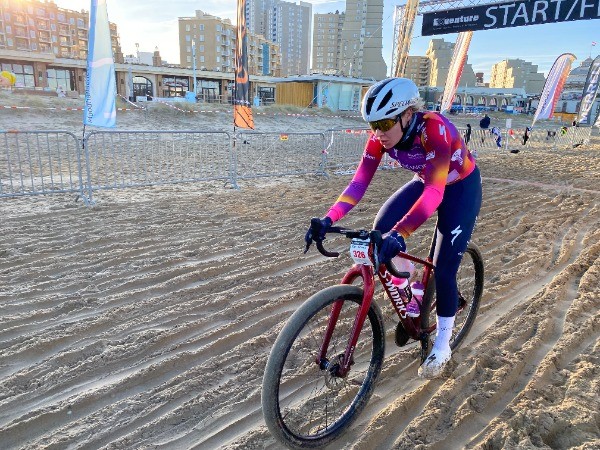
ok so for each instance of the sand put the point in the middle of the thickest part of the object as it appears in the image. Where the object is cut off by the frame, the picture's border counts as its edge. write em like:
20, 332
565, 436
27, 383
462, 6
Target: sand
146, 321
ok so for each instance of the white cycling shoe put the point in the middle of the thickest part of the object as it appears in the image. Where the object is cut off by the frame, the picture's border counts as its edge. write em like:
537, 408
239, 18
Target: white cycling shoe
435, 363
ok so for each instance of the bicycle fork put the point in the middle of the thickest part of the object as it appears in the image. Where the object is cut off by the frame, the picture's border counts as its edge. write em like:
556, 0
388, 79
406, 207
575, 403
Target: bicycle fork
341, 368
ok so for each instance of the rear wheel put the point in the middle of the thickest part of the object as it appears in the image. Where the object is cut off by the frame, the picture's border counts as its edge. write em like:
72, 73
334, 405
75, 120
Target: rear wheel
469, 279
305, 404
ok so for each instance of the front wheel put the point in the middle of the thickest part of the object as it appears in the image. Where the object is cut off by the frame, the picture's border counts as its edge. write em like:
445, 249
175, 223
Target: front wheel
306, 404
469, 280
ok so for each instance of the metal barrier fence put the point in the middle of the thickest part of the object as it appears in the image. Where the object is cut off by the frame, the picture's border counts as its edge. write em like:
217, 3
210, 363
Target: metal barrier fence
345, 148
276, 154
119, 159
46, 162
39, 162
557, 138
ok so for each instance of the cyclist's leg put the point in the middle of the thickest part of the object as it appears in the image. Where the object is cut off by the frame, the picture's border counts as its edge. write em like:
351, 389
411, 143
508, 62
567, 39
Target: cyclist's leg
396, 207
456, 219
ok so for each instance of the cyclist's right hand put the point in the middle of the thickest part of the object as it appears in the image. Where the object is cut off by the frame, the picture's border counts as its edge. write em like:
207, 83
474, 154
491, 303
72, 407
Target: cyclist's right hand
317, 230
391, 245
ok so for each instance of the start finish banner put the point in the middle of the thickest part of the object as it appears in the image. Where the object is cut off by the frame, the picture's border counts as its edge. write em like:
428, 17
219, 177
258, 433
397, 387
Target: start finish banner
508, 15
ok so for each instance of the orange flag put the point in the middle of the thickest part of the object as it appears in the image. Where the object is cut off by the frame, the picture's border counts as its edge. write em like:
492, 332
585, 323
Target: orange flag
242, 114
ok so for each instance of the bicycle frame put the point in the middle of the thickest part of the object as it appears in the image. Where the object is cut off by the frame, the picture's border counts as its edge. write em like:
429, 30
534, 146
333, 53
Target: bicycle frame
366, 273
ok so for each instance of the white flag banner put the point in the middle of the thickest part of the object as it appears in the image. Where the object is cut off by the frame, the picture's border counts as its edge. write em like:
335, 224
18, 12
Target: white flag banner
589, 92
553, 87
100, 87
459, 57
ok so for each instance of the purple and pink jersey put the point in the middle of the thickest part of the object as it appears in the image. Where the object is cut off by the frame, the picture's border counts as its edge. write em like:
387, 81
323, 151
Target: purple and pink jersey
438, 156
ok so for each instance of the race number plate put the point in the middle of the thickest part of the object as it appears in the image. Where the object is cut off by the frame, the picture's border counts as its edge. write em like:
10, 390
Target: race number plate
359, 250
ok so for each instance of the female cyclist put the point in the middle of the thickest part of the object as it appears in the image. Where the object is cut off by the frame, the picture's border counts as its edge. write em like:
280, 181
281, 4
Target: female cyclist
446, 179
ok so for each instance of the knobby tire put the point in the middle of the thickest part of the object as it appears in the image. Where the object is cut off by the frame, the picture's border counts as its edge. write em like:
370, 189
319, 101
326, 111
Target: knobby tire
303, 404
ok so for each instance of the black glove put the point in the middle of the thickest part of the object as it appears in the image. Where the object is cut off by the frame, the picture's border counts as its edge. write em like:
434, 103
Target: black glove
391, 245
317, 230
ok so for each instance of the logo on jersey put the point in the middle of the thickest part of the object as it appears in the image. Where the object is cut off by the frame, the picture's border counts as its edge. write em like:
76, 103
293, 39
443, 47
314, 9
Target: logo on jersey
442, 129
455, 233
456, 156
430, 155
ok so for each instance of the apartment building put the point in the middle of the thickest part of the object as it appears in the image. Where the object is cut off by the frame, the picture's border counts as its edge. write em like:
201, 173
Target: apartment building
362, 41
418, 69
517, 73
286, 24
212, 41
327, 38
578, 75
36, 33
440, 52
350, 43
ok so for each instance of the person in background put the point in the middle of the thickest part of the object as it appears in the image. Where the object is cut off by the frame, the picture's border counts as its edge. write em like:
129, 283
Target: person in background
497, 136
526, 135
484, 124
447, 180
468, 133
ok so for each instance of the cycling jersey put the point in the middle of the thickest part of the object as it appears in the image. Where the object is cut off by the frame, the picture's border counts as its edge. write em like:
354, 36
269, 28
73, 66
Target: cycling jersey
438, 156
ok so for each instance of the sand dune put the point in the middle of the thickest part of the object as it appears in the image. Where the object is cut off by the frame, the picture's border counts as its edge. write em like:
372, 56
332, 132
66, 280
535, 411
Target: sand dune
146, 321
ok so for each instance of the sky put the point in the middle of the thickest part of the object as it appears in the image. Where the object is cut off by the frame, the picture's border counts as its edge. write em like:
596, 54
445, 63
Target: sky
153, 23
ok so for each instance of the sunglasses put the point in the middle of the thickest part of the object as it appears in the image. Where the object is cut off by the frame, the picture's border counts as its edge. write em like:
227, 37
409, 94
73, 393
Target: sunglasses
384, 124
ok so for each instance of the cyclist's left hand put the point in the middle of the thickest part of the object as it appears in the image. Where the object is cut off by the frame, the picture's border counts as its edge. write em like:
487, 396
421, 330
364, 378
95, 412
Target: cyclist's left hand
392, 244
317, 230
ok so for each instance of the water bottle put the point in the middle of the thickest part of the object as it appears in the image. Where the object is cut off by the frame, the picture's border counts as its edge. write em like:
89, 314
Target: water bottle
417, 290
413, 309
403, 288
404, 265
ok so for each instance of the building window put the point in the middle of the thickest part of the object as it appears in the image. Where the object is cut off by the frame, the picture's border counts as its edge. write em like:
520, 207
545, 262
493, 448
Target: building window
187, 38
23, 73
201, 27
187, 28
201, 48
60, 77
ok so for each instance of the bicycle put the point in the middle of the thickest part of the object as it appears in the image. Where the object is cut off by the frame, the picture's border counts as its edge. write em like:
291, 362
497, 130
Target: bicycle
324, 363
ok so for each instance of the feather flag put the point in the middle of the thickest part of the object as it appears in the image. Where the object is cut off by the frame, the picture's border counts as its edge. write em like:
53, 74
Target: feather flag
242, 113
590, 89
459, 57
100, 86
553, 86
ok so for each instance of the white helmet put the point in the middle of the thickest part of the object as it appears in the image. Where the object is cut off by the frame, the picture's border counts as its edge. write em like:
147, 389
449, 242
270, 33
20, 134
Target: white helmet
389, 98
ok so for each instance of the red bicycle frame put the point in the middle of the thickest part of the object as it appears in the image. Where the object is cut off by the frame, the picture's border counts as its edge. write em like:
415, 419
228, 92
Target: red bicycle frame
411, 325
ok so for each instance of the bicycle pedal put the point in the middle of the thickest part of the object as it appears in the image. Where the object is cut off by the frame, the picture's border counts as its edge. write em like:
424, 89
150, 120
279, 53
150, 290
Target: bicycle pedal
402, 336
